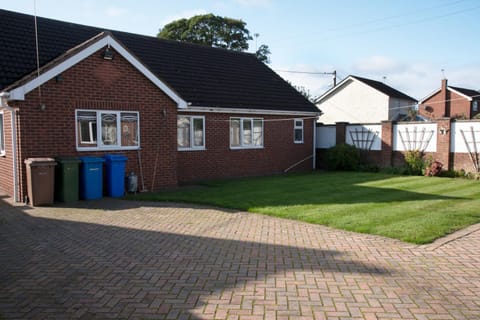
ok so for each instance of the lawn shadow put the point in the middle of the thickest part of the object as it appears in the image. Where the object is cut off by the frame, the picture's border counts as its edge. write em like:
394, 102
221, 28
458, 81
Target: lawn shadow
54, 268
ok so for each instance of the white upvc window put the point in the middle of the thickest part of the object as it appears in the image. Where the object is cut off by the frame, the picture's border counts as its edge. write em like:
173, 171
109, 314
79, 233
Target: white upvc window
246, 133
298, 131
191, 132
107, 130
2, 135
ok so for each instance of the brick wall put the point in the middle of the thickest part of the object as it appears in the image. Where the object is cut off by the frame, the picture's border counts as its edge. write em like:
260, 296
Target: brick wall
100, 84
444, 137
219, 161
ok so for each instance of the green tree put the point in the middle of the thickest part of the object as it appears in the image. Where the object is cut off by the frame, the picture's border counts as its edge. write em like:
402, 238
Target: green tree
214, 31
209, 29
263, 53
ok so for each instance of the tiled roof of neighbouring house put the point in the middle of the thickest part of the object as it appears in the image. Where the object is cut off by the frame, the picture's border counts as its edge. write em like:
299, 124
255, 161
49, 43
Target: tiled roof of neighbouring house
382, 87
201, 75
468, 92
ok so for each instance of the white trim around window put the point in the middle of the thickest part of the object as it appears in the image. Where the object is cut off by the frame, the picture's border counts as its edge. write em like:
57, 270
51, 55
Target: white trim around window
107, 130
2, 134
246, 133
190, 133
298, 130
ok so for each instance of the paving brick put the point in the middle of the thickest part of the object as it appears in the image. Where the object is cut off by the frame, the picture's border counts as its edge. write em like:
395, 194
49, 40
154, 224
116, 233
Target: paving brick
112, 259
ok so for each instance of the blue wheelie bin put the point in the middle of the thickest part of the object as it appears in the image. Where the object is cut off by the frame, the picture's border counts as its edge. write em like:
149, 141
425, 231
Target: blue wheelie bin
91, 178
115, 173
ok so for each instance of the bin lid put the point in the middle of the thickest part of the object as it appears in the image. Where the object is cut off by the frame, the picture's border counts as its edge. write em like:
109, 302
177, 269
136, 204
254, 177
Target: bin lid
91, 159
40, 162
67, 159
115, 157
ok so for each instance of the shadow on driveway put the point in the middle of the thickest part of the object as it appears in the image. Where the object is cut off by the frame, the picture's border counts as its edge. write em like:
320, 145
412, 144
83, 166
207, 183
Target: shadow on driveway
67, 269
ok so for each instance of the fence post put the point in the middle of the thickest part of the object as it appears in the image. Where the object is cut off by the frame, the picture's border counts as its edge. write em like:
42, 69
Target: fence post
444, 135
341, 131
387, 143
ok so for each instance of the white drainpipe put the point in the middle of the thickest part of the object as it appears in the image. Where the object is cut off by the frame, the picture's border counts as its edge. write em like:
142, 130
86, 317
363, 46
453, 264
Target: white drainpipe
314, 143
4, 105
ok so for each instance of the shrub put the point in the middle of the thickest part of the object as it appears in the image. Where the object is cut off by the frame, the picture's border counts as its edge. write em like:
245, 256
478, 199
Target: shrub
434, 169
415, 163
343, 157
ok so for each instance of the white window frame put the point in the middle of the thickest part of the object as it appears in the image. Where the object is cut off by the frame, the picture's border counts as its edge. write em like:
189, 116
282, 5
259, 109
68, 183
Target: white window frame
2, 135
241, 138
192, 134
298, 127
99, 142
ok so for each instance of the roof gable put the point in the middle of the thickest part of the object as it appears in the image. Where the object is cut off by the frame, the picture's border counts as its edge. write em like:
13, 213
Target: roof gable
79, 53
468, 94
201, 76
376, 85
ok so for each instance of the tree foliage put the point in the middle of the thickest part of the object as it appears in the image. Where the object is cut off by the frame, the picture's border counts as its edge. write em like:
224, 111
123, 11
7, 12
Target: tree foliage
263, 53
209, 29
213, 31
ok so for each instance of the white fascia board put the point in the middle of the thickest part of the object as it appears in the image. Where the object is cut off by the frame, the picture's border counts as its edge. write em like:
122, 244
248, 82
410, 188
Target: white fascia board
429, 96
460, 94
20, 92
248, 111
333, 89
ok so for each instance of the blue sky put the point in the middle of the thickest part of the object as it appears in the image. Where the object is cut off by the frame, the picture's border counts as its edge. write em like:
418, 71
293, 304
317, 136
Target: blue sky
404, 43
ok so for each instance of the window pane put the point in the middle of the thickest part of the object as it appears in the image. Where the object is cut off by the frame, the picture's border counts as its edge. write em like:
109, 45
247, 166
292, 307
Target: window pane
2, 136
129, 125
247, 131
109, 129
198, 132
87, 127
235, 132
298, 135
258, 132
298, 123
183, 132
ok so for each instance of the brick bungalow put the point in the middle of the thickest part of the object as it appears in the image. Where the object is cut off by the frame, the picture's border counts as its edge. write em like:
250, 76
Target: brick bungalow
450, 102
179, 112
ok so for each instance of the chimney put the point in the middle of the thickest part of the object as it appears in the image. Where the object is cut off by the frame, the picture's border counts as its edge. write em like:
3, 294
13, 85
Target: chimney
444, 85
445, 97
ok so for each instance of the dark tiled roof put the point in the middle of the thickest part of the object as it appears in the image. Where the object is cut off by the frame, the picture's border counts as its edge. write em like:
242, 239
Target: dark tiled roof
201, 75
467, 92
382, 87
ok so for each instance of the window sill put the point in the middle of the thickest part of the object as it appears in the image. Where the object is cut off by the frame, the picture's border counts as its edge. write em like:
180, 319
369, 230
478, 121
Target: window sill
191, 149
246, 148
106, 148
298, 142
3, 154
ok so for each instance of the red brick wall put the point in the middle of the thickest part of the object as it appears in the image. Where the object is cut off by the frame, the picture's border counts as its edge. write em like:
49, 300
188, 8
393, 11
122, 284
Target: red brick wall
459, 106
462, 161
6, 161
99, 84
219, 161
434, 107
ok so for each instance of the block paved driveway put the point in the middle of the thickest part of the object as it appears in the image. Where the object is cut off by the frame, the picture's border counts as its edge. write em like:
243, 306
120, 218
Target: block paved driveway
128, 260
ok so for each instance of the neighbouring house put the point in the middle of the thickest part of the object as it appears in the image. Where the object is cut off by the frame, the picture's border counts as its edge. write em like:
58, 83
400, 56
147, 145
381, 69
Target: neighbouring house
361, 100
450, 102
179, 112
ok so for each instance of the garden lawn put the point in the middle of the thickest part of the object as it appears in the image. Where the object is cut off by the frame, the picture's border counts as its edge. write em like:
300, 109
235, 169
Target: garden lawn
408, 208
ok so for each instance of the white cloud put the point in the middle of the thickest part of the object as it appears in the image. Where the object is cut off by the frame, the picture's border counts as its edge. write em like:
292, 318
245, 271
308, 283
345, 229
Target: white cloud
183, 15
115, 11
377, 64
417, 79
